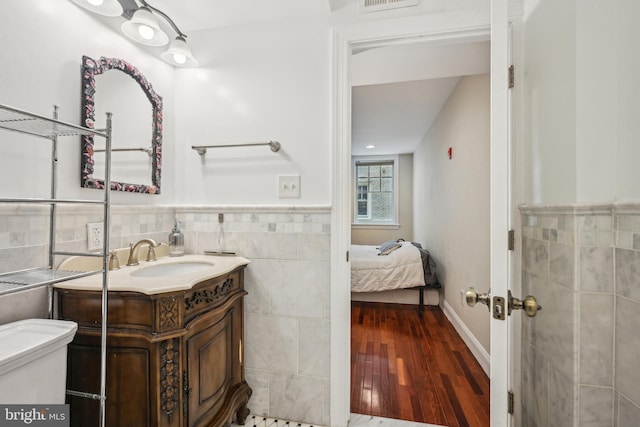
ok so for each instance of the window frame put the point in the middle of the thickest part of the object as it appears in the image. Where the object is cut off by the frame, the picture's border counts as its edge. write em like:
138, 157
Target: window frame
355, 220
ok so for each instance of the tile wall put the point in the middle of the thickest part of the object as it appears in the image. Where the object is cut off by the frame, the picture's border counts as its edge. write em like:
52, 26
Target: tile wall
580, 353
24, 230
24, 242
287, 323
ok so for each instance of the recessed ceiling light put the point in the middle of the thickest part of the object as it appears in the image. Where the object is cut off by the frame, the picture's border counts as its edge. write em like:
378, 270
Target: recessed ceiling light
370, 146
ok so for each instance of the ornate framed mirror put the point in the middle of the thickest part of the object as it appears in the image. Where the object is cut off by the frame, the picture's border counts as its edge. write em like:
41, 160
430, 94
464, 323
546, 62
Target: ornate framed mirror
136, 149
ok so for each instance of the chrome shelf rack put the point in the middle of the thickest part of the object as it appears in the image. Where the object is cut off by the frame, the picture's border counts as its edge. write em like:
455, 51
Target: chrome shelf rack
24, 122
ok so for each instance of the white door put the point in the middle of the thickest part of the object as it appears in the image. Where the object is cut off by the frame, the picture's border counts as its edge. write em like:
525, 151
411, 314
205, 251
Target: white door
497, 294
344, 42
500, 204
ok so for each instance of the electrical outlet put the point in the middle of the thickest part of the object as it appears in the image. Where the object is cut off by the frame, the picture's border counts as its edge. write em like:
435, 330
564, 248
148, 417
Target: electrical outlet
94, 235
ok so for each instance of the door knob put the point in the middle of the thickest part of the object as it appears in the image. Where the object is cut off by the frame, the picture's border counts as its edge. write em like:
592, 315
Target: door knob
529, 305
472, 297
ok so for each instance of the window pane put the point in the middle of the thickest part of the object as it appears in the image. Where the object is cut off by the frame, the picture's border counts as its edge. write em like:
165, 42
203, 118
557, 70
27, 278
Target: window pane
387, 170
382, 207
363, 171
362, 209
374, 170
374, 184
386, 184
362, 192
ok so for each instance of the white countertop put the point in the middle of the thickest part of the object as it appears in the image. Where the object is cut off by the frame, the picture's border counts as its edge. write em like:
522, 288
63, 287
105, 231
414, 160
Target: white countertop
123, 280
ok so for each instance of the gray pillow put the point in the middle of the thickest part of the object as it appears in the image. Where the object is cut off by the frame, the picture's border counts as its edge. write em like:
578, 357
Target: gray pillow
389, 246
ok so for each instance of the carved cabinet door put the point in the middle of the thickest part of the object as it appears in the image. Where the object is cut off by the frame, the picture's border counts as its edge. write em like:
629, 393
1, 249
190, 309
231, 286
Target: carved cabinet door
211, 362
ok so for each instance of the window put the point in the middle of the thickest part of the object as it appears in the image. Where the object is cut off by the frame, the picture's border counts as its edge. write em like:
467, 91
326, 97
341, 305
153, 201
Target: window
363, 203
375, 192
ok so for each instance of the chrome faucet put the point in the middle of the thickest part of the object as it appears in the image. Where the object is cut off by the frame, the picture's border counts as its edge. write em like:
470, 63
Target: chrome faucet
133, 251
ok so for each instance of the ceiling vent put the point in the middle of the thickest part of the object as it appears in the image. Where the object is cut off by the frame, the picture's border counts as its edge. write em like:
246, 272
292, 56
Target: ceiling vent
378, 5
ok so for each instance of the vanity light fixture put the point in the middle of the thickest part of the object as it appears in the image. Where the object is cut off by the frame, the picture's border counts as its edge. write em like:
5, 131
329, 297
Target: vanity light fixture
143, 26
177, 54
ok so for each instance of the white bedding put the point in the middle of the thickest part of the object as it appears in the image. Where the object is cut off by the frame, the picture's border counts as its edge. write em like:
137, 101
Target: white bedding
371, 272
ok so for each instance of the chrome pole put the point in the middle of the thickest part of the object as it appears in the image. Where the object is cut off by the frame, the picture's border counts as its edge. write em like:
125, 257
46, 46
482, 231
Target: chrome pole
105, 274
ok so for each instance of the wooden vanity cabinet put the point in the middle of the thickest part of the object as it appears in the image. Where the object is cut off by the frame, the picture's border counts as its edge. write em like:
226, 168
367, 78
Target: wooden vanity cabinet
174, 359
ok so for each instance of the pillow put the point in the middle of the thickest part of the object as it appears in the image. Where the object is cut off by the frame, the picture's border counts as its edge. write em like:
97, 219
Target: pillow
389, 246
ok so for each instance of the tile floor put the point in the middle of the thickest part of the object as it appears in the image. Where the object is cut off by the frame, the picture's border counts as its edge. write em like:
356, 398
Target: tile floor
357, 420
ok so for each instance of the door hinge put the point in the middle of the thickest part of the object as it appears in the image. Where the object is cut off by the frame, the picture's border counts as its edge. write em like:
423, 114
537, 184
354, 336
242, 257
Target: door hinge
510, 402
511, 240
512, 77
347, 256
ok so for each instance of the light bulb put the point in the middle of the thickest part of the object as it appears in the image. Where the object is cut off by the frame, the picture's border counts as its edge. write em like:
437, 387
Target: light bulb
95, 2
179, 54
146, 32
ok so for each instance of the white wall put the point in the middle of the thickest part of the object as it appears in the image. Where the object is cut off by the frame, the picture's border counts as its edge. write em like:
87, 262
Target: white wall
581, 101
608, 100
41, 61
627, 90
256, 83
596, 87
451, 204
550, 138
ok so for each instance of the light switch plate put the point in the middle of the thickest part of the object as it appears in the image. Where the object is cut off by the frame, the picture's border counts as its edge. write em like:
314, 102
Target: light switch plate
289, 186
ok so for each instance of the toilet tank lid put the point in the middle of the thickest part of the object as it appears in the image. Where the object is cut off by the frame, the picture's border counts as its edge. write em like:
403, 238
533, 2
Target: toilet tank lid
30, 339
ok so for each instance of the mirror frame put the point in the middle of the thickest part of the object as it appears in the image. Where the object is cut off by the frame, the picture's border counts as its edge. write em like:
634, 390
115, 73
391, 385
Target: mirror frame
90, 69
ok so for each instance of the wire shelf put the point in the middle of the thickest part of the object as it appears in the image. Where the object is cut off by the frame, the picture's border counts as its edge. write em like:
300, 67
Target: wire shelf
27, 279
33, 124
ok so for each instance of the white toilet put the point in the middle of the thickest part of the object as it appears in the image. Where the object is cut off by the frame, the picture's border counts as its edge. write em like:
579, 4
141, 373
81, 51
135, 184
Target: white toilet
33, 361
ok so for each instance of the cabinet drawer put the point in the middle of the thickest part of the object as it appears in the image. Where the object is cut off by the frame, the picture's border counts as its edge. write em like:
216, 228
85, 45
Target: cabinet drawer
127, 310
212, 293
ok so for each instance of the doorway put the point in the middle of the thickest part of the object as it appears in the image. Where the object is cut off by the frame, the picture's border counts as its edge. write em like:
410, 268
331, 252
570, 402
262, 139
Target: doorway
448, 196
344, 43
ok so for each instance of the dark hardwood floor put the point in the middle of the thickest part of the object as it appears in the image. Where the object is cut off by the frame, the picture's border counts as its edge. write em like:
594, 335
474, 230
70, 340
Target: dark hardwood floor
411, 364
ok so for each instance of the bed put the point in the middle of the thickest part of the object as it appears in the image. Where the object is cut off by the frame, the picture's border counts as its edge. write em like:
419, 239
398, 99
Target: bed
392, 265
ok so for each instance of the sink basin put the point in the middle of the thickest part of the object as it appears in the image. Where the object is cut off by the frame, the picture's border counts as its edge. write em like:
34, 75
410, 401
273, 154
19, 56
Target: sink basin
172, 269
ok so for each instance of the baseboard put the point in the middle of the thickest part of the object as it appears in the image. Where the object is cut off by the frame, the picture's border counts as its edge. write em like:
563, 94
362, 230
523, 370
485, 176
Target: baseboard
481, 355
